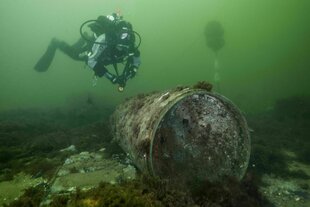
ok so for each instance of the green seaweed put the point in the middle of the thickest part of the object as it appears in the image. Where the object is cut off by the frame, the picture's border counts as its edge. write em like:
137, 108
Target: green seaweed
203, 85
32, 197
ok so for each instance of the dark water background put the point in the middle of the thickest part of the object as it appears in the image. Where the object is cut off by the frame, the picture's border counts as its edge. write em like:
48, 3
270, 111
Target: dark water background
266, 56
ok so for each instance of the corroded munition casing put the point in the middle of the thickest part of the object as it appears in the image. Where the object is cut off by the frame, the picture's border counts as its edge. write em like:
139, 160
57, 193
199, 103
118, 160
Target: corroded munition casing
183, 134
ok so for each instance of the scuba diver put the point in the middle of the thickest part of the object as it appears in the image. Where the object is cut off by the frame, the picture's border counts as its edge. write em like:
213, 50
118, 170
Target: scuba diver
113, 42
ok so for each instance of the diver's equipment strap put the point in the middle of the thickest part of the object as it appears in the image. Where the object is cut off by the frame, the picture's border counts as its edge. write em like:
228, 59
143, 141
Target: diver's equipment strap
96, 51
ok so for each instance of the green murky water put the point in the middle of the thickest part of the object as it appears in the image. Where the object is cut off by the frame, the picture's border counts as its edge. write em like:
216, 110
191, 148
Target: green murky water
266, 55
264, 68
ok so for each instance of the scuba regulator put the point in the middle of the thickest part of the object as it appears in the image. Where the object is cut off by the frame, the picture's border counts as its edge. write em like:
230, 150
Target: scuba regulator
105, 21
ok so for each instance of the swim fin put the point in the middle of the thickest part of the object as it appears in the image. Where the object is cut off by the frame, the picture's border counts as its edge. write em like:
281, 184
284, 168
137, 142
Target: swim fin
45, 61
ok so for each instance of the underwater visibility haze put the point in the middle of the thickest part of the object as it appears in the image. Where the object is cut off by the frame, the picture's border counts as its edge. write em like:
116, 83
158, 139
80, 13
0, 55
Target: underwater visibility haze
265, 57
56, 124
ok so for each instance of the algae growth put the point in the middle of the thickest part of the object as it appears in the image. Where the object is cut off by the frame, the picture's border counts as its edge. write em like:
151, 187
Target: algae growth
263, 67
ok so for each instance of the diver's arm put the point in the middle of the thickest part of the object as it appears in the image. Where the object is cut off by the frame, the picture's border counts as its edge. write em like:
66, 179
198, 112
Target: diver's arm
100, 71
133, 63
129, 71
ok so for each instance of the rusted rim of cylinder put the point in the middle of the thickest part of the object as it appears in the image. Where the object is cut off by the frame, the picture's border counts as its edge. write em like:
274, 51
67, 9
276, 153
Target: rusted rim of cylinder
189, 92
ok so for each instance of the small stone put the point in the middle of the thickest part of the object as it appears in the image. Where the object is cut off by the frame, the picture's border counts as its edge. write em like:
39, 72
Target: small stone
68, 161
71, 189
63, 172
102, 149
71, 148
84, 153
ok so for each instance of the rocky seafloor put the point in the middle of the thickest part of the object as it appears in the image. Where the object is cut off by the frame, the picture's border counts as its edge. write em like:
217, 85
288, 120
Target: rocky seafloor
65, 157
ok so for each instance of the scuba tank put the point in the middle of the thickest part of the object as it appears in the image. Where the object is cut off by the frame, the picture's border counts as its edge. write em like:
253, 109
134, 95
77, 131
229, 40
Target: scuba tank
96, 51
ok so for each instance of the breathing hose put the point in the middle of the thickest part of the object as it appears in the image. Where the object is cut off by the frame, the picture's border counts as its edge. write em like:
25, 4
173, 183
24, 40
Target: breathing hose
101, 43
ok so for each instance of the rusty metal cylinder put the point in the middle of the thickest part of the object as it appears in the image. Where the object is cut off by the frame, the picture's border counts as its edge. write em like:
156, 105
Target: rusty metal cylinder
183, 134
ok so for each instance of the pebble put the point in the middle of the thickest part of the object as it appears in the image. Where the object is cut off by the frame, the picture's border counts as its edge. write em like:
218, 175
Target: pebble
84, 153
63, 172
71, 189
102, 150
71, 148
68, 161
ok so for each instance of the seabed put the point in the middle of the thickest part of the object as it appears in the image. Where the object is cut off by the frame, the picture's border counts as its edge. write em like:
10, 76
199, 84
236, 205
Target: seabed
61, 157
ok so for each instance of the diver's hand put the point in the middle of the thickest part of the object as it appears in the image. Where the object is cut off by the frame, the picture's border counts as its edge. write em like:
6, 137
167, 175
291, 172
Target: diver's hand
121, 81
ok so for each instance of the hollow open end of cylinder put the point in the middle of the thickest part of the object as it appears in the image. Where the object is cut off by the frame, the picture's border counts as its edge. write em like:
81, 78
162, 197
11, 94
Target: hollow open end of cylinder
201, 137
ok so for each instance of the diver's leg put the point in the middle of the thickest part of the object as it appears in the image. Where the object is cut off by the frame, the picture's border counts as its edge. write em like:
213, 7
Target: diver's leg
82, 44
73, 51
46, 59
79, 44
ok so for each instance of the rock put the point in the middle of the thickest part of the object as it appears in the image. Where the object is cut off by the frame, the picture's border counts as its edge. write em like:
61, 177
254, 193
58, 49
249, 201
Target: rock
86, 170
71, 148
102, 150
286, 192
12, 190
129, 172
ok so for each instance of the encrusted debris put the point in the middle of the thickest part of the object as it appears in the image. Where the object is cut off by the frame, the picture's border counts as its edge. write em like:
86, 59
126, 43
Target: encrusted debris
183, 133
